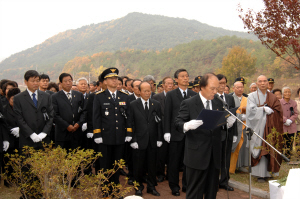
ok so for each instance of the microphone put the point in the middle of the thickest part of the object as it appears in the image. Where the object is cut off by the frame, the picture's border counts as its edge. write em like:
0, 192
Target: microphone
292, 110
122, 110
220, 99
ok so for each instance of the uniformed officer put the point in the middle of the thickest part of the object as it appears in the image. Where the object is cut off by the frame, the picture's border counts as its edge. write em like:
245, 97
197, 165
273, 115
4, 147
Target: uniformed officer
111, 122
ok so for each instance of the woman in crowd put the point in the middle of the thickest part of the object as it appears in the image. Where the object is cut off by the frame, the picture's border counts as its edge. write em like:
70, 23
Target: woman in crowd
290, 114
278, 93
53, 87
12, 125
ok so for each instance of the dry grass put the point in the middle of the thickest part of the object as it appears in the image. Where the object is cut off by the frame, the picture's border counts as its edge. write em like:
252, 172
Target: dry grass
244, 177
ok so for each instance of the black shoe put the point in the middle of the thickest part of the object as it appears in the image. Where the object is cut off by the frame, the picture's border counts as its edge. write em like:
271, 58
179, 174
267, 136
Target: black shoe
130, 181
226, 187
175, 193
139, 193
160, 178
153, 192
123, 173
184, 189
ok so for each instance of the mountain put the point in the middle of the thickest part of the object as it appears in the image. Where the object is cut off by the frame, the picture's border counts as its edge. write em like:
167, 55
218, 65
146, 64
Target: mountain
134, 31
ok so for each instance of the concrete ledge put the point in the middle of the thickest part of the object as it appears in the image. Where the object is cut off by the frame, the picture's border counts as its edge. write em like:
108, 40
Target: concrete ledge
245, 188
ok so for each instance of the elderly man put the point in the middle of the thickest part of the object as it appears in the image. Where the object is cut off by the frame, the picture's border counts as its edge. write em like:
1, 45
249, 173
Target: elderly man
263, 113
151, 80
253, 87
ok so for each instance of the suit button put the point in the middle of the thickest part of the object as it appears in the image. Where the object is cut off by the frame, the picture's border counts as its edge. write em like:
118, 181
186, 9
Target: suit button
116, 127
116, 108
116, 120
116, 114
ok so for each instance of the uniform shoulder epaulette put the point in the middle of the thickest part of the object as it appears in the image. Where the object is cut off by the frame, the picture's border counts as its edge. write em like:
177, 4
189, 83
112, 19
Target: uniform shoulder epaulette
124, 92
99, 92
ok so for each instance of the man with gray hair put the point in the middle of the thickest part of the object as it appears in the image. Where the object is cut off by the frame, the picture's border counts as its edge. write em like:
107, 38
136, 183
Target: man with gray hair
82, 86
151, 80
253, 87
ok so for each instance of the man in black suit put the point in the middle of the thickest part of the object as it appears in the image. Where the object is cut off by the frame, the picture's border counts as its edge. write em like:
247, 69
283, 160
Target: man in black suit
111, 122
69, 114
34, 113
145, 115
162, 152
227, 139
171, 134
203, 147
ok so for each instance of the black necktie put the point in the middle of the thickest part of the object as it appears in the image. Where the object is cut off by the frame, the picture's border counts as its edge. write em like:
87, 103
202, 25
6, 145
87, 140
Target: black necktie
207, 105
222, 97
184, 95
34, 99
146, 109
114, 96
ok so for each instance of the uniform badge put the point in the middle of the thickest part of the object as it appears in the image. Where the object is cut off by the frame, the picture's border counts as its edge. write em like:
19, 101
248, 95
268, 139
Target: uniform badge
118, 97
122, 103
108, 97
106, 104
106, 112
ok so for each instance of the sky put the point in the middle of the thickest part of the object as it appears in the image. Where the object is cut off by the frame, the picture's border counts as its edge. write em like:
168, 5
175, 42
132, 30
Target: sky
26, 23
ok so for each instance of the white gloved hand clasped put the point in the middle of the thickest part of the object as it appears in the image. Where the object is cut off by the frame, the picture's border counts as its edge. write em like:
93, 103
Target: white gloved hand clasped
84, 127
159, 143
230, 121
134, 145
15, 131
234, 139
98, 140
268, 110
192, 125
89, 135
167, 137
5, 145
128, 139
35, 137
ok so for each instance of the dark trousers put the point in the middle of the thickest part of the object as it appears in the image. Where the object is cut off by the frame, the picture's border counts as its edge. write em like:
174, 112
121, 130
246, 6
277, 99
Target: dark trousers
176, 151
128, 159
110, 154
68, 144
202, 182
225, 152
140, 158
162, 158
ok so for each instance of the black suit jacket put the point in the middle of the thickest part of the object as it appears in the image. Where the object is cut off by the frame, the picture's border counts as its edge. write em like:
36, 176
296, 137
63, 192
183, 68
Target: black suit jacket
31, 119
4, 132
108, 121
131, 98
199, 143
160, 97
231, 131
10, 118
89, 112
172, 106
68, 114
145, 128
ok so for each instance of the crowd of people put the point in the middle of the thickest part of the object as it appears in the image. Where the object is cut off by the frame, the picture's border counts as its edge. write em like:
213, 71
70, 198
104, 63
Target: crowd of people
153, 127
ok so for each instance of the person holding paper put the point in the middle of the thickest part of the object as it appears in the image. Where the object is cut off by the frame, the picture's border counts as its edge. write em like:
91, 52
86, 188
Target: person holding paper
226, 140
202, 154
263, 113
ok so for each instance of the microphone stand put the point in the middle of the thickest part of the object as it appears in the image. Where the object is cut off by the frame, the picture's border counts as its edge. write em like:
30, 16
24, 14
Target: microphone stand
250, 133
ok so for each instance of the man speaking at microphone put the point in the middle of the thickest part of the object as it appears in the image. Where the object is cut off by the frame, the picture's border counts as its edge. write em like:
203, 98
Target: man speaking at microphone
202, 146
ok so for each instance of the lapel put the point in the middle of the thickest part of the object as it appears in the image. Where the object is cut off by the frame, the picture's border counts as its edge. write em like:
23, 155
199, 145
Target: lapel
141, 107
10, 111
215, 105
40, 98
109, 97
63, 95
28, 98
188, 94
150, 108
179, 95
199, 104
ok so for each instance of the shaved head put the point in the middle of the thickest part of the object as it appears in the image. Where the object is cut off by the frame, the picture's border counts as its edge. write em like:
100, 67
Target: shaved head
261, 77
262, 83
238, 84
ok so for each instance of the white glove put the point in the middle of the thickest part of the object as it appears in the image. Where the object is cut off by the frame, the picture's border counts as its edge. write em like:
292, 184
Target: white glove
230, 121
42, 135
289, 122
98, 140
167, 137
192, 125
134, 145
35, 137
84, 127
5, 145
128, 139
15, 131
89, 135
159, 143
268, 110
234, 139
243, 117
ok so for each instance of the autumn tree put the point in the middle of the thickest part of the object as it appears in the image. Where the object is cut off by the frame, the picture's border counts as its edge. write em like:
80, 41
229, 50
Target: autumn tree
238, 63
278, 27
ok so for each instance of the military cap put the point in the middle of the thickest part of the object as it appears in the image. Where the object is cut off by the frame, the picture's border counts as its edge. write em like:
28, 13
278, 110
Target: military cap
159, 84
175, 83
240, 79
271, 80
110, 72
198, 78
196, 83
190, 85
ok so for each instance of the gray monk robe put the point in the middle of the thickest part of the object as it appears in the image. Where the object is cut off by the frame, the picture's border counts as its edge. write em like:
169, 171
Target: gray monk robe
264, 159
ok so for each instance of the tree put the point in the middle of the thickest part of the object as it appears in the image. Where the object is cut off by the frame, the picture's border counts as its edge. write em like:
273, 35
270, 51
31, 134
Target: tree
238, 63
278, 27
